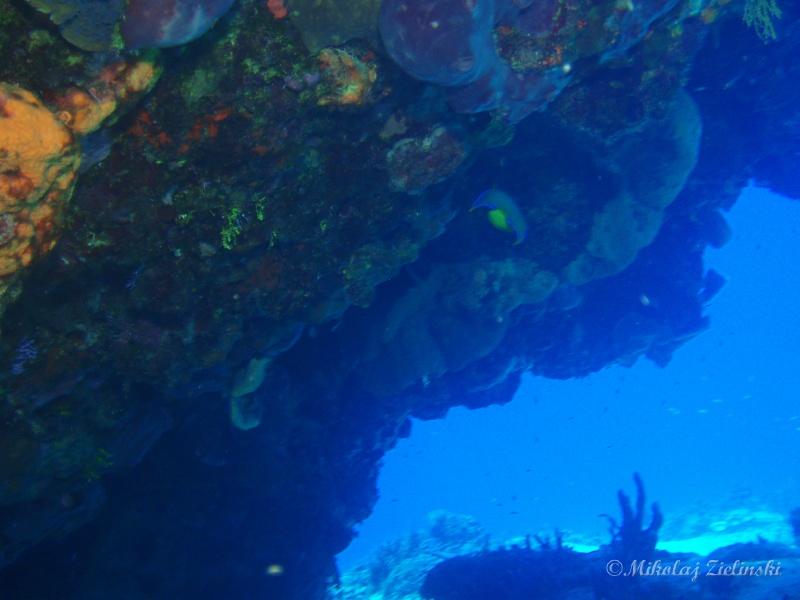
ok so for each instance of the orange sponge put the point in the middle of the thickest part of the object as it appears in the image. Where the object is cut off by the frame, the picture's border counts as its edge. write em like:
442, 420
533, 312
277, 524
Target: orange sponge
39, 160
119, 84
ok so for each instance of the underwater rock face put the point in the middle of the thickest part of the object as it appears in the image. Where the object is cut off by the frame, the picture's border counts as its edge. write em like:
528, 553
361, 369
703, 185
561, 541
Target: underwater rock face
40, 158
39, 161
61, 514
263, 201
326, 23
656, 164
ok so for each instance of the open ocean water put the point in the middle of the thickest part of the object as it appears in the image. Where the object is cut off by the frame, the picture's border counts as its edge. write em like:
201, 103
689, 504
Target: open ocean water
715, 435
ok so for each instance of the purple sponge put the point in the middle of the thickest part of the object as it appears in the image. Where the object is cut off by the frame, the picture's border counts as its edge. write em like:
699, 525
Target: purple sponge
448, 42
512, 55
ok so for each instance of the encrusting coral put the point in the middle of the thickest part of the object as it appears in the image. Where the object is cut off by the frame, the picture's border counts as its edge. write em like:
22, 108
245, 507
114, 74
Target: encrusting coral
40, 157
307, 205
39, 161
84, 110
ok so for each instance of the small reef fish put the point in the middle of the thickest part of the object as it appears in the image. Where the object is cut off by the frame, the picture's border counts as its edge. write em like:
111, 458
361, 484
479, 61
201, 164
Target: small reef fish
503, 213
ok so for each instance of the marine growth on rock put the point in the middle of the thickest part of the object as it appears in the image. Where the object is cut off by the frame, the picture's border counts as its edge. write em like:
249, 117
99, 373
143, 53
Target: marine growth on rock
243, 244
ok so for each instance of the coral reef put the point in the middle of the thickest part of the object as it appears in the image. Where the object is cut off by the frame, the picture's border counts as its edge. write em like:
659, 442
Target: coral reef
118, 85
418, 163
324, 23
397, 569
347, 79
628, 567
39, 161
268, 263
629, 539
40, 158
759, 15
510, 55
631, 220
88, 24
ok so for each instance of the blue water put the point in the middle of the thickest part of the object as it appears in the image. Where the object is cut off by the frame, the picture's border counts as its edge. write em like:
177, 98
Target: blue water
720, 426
